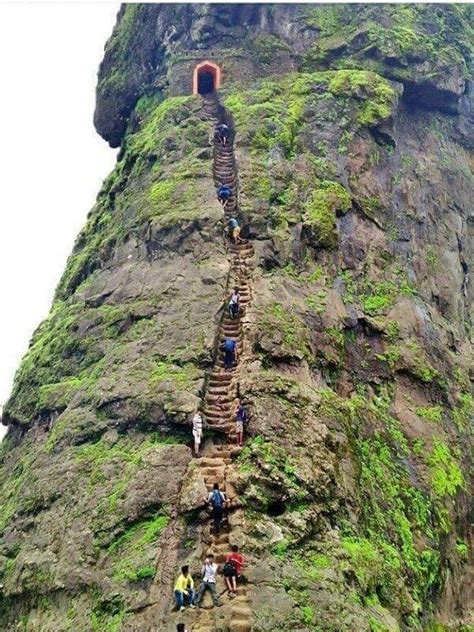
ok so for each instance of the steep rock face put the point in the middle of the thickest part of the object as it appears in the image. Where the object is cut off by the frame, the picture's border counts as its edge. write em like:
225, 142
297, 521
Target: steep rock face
355, 187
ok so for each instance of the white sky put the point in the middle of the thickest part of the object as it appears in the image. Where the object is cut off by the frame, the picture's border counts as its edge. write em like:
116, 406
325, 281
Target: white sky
52, 161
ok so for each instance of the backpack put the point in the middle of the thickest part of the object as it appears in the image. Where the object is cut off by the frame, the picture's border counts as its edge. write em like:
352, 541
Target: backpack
229, 345
242, 414
216, 499
229, 569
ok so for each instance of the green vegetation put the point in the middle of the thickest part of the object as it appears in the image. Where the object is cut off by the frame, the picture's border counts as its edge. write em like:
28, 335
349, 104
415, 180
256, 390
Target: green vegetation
431, 257
130, 548
400, 525
393, 513
294, 335
317, 303
430, 413
379, 94
380, 296
375, 568
22, 478
274, 112
392, 330
307, 614
404, 32
267, 47
446, 476
462, 549
279, 468
421, 368
182, 376
464, 412
280, 549
320, 211
55, 354
108, 615
95, 455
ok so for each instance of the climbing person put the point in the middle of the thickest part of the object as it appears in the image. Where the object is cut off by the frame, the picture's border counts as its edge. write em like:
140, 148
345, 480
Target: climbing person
180, 627
184, 589
233, 230
216, 500
222, 132
241, 418
234, 303
197, 431
209, 572
229, 347
232, 570
224, 193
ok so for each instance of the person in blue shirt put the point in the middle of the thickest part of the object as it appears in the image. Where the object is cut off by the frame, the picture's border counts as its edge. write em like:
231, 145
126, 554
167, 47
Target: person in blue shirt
229, 346
224, 193
222, 133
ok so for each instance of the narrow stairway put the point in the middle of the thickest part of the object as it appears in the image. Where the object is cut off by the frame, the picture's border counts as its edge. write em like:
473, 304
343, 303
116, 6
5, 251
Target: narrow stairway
222, 390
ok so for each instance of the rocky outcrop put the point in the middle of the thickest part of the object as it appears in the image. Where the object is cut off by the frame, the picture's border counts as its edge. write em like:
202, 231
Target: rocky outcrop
353, 142
426, 48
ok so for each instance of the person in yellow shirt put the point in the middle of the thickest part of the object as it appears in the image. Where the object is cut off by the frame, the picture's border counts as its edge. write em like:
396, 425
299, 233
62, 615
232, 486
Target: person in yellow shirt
184, 589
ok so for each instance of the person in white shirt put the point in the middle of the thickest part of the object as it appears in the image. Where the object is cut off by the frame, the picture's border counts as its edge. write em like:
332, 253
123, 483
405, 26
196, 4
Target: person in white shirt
234, 303
197, 432
209, 572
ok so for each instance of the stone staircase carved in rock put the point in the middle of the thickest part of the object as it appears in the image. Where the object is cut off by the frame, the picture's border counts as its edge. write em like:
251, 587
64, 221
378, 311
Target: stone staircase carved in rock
221, 392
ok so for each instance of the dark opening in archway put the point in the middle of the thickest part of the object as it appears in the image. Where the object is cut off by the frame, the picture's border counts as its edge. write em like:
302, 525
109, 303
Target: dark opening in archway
206, 82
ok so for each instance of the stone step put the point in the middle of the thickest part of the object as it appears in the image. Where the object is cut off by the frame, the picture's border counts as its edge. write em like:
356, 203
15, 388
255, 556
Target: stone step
211, 397
222, 537
230, 323
227, 168
221, 425
224, 453
240, 610
240, 625
220, 377
209, 472
212, 403
218, 423
207, 461
223, 401
220, 362
242, 252
218, 409
210, 480
217, 390
217, 412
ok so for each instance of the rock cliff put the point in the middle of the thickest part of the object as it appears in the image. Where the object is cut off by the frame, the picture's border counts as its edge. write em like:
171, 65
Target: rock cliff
351, 161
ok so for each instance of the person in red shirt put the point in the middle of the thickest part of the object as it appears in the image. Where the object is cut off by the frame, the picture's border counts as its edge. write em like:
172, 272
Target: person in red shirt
234, 563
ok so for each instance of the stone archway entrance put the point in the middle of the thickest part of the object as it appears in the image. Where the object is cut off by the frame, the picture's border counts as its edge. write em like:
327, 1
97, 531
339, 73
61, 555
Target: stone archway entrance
206, 78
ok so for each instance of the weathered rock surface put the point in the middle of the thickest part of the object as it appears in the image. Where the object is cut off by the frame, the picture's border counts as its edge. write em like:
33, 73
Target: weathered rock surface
354, 146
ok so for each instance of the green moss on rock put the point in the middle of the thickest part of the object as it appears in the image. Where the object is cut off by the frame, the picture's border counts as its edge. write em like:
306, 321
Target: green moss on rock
319, 212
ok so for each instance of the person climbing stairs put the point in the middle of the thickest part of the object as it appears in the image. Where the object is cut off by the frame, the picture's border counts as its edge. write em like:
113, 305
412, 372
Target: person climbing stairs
221, 393
222, 388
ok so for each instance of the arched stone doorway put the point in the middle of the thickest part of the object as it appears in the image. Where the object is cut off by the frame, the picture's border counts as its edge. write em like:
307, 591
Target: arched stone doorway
207, 78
